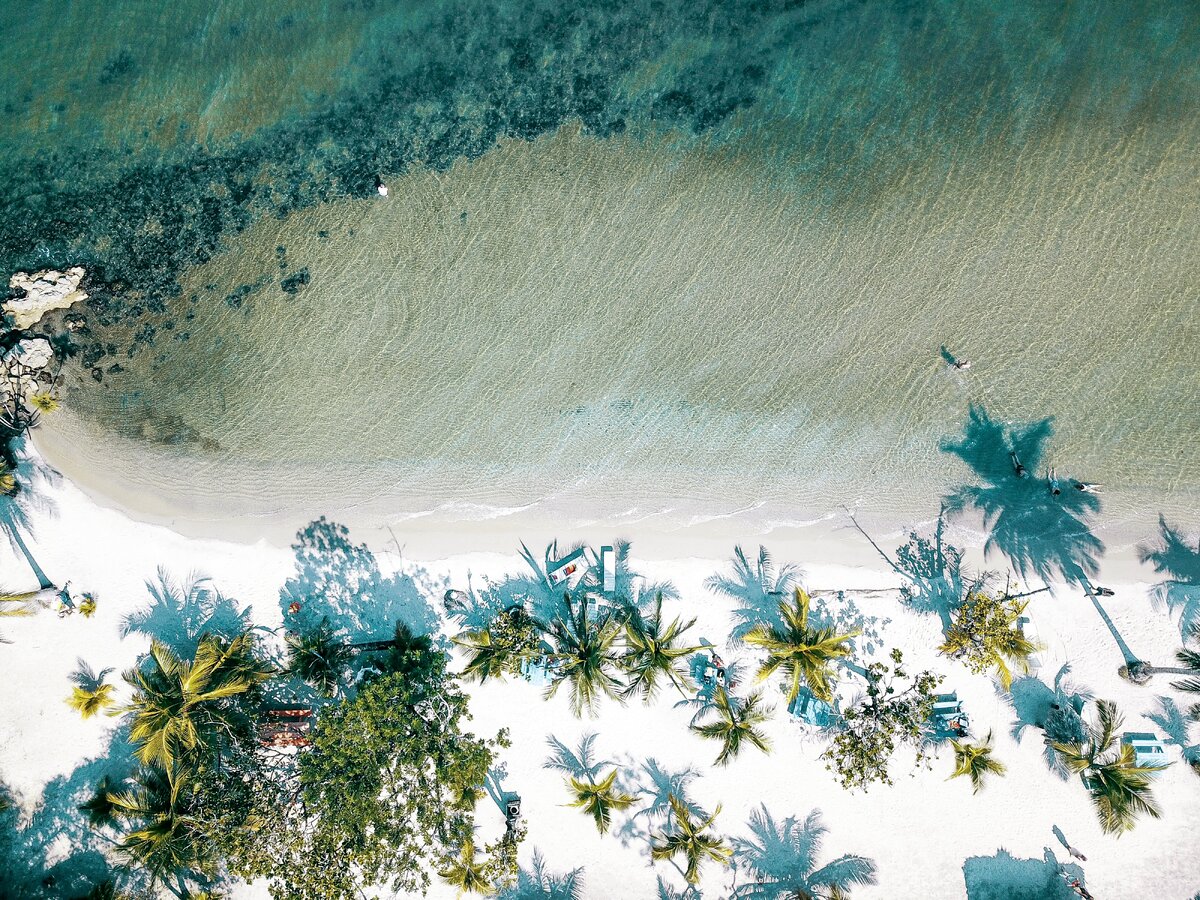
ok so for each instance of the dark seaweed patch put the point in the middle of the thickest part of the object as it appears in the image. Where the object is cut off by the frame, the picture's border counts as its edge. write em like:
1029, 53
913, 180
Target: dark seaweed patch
295, 282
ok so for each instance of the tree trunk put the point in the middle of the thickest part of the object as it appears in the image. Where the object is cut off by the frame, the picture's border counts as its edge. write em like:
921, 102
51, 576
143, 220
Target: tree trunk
14, 534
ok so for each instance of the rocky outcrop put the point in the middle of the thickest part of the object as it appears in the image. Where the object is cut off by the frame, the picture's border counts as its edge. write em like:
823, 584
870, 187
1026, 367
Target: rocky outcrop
25, 370
44, 291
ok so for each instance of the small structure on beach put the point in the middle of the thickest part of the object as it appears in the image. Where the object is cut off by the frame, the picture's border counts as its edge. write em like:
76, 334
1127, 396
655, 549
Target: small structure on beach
812, 710
948, 718
1148, 750
608, 570
285, 727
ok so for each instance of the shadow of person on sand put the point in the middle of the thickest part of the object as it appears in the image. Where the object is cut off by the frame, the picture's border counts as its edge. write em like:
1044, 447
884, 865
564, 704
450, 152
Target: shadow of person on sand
1042, 534
179, 612
341, 581
1173, 556
1004, 877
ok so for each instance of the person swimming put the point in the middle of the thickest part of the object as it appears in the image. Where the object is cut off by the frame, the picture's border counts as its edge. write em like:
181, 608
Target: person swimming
1018, 466
1088, 487
958, 365
1052, 481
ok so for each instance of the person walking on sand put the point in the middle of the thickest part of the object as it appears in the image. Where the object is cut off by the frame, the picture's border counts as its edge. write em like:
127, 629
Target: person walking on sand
1098, 591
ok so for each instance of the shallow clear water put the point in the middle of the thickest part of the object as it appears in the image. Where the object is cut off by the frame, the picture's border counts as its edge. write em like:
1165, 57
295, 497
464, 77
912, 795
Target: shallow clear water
726, 308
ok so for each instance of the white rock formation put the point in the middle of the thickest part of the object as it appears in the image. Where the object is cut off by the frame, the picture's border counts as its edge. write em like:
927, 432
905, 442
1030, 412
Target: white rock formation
44, 291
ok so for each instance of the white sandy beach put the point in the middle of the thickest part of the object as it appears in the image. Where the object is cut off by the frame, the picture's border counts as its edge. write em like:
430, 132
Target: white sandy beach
919, 833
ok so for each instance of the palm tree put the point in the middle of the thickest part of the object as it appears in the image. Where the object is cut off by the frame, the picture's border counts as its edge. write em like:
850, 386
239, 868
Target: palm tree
975, 760
1175, 557
467, 873
13, 605
167, 840
735, 725
91, 694
8, 481
585, 656
600, 799
652, 652
537, 883
1190, 660
756, 587
782, 859
688, 835
319, 658
578, 763
180, 706
1120, 788
805, 654
100, 809
499, 648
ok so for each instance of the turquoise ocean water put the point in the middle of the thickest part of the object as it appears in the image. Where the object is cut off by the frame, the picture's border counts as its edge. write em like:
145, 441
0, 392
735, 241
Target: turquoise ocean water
644, 265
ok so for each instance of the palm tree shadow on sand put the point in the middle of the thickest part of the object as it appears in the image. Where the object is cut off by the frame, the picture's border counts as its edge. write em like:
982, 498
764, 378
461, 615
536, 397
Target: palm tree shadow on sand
1054, 709
1173, 556
1004, 877
180, 612
56, 820
15, 509
341, 581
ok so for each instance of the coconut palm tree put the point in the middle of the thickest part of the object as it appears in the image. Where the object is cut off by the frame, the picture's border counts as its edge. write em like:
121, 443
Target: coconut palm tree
1190, 660
689, 836
653, 652
179, 706
781, 857
538, 883
585, 656
499, 648
1174, 556
756, 587
167, 838
600, 799
975, 761
91, 694
1120, 788
8, 481
100, 809
467, 873
805, 654
13, 605
736, 724
319, 658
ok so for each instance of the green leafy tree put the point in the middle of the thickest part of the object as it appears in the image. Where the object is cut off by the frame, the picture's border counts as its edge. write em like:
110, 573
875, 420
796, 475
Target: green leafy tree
653, 652
894, 710
382, 799
512, 637
735, 723
600, 799
689, 836
585, 656
805, 654
986, 634
181, 706
1120, 788
318, 657
91, 694
781, 858
975, 761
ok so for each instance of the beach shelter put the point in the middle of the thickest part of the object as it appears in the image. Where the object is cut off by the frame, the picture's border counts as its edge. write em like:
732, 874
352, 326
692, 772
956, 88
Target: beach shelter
1147, 749
811, 710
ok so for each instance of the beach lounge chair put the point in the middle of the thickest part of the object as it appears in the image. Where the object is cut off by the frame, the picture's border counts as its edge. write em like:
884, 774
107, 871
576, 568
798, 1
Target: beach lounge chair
812, 711
608, 570
570, 570
948, 717
1147, 749
1030, 631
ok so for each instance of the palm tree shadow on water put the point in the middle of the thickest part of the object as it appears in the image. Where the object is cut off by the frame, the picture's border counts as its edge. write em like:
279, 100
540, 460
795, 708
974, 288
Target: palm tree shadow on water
1004, 877
341, 581
1041, 524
